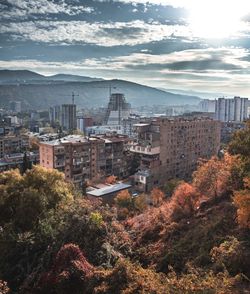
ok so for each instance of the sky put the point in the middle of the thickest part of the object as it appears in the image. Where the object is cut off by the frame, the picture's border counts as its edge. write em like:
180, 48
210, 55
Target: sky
190, 45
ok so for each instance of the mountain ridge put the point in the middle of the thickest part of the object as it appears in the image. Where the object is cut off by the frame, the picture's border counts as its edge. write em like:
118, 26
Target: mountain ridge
37, 91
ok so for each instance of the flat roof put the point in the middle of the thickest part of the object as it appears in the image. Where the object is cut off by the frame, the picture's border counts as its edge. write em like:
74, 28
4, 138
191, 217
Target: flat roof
109, 189
141, 125
68, 139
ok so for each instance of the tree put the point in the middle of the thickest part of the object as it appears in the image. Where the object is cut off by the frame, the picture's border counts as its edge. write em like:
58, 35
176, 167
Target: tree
213, 178
69, 274
111, 180
26, 163
140, 202
25, 199
240, 145
124, 200
231, 254
170, 186
4, 288
157, 196
242, 202
34, 143
184, 201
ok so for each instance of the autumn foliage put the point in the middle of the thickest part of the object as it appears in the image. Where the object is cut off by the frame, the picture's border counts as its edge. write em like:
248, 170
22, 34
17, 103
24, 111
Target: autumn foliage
157, 196
184, 201
69, 273
242, 202
111, 180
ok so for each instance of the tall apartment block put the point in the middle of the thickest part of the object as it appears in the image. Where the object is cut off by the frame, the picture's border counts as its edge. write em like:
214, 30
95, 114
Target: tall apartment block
235, 109
207, 105
55, 114
170, 148
86, 158
68, 117
118, 109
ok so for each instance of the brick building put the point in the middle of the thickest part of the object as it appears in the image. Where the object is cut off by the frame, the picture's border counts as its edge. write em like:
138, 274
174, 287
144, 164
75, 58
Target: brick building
87, 158
170, 148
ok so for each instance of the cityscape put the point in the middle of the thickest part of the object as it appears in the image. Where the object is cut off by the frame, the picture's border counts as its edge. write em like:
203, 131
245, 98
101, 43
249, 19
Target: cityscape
124, 147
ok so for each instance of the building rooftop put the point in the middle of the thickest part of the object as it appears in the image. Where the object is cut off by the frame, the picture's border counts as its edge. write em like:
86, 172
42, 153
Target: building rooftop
141, 125
110, 189
68, 139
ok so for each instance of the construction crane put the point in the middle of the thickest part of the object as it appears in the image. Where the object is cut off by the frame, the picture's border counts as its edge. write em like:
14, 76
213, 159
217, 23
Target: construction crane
73, 97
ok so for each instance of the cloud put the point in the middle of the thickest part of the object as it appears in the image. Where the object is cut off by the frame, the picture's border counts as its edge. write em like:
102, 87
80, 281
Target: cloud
98, 33
27, 8
173, 3
158, 71
193, 61
196, 60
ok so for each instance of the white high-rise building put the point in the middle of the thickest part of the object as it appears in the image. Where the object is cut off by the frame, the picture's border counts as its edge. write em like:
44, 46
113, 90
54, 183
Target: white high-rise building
235, 109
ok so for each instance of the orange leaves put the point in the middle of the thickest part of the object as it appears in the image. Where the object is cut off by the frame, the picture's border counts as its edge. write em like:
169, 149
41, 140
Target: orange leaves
111, 180
157, 196
183, 201
213, 178
242, 202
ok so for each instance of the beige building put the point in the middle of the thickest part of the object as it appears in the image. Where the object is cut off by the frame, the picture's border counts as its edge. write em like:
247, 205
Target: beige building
170, 148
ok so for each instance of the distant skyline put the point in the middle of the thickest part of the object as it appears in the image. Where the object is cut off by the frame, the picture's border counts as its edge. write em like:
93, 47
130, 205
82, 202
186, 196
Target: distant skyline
190, 45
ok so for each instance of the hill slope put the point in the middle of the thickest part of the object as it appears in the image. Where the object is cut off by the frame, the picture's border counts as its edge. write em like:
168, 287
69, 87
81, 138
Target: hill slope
36, 91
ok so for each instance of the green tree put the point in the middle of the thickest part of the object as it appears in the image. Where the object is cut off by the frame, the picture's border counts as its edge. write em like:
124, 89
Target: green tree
26, 163
240, 145
25, 199
124, 200
170, 186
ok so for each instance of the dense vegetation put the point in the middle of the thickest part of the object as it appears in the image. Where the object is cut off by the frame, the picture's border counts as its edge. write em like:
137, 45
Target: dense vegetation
53, 240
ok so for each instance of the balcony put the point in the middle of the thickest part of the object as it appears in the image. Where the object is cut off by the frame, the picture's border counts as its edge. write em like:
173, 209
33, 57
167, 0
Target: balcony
148, 150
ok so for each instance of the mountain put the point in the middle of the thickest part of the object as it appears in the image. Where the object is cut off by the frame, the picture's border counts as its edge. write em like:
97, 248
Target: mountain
27, 76
18, 76
37, 91
204, 95
72, 78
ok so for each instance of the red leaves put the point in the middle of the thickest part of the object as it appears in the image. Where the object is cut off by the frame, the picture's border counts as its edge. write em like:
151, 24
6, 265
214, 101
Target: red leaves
69, 273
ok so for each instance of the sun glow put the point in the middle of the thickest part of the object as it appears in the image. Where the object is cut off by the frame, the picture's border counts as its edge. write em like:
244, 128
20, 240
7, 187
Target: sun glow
217, 18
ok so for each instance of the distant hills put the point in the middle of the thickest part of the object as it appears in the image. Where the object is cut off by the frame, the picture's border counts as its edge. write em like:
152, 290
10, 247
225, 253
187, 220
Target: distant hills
27, 76
37, 91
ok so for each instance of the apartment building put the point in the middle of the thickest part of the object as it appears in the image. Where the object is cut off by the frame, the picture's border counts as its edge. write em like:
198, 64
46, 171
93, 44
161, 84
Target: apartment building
86, 158
235, 109
170, 148
68, 117
70, 155
10, 144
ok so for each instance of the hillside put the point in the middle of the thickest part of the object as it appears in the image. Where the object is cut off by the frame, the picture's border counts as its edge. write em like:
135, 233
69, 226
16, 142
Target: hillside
37, 91
195, 240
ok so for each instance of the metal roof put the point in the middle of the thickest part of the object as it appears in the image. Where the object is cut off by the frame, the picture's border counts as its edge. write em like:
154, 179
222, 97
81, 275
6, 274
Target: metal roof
109, 189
